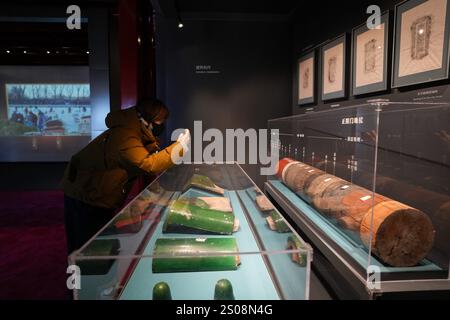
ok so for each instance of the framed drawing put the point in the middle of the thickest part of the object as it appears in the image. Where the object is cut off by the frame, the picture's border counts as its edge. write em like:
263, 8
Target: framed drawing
370, 57
421, 42
333, 68
306, 79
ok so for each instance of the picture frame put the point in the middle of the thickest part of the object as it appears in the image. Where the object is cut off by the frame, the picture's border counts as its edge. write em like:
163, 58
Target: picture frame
306, 78
370, 57
333, 68
421, 42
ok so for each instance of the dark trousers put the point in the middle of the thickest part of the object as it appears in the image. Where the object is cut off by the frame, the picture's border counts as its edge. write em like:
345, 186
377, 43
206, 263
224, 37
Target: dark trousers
83, 221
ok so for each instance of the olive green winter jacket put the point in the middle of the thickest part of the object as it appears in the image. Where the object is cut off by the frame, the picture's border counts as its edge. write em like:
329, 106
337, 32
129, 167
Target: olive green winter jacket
102, 173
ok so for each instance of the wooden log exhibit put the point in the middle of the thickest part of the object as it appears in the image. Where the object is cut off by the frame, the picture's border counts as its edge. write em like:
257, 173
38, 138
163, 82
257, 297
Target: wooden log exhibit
298, 176
292, 171
319, 185
356, 204
401, 235
329, 202
398, 234
417, 196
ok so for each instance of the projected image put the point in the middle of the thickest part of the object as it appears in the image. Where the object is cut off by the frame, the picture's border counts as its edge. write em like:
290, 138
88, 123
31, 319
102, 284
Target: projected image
47, 110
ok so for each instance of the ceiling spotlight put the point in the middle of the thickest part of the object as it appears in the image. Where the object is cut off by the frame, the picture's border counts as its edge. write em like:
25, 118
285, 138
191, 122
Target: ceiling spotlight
7, 51
48, 52
180, 25
87, 52
139, 40
25, 51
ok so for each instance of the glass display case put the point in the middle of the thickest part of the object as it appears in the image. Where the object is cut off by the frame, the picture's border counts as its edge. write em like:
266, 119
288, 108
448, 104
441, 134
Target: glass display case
369, 186
197, 232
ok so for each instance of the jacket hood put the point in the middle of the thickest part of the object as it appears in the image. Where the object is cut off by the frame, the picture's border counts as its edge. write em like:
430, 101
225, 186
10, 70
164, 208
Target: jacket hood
123, 118
128, 119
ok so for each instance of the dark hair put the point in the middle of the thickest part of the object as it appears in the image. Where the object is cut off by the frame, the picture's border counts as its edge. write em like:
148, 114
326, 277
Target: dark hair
152, 110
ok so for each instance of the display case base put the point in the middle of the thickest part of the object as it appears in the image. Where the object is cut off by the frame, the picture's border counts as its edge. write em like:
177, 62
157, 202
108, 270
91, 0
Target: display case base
342, 272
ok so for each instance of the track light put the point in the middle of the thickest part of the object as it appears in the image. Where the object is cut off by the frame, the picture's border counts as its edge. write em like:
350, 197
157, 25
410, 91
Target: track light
178, 17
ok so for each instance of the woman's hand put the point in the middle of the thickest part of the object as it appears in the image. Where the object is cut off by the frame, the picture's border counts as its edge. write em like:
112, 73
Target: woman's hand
184, 139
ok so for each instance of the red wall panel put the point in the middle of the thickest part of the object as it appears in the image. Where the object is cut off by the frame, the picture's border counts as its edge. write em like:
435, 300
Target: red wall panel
128, 50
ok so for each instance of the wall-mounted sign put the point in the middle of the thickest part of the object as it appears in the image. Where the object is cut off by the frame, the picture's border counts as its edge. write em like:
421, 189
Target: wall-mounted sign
205, 69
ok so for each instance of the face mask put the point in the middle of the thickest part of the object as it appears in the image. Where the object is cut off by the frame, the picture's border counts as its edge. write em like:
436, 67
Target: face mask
157, 129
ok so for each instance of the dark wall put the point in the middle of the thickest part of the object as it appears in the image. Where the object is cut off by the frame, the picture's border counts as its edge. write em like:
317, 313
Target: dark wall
47, 175
254, 80
327, 20
24, 176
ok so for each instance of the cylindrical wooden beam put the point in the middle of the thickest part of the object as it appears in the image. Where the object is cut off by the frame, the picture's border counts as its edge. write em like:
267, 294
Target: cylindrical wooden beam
402, 236
398, 234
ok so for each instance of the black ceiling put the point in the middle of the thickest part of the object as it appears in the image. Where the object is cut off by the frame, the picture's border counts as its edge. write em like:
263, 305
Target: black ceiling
42, 43
173, 8
238, 6
226, 9
225, 6
38, 42
34, 33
